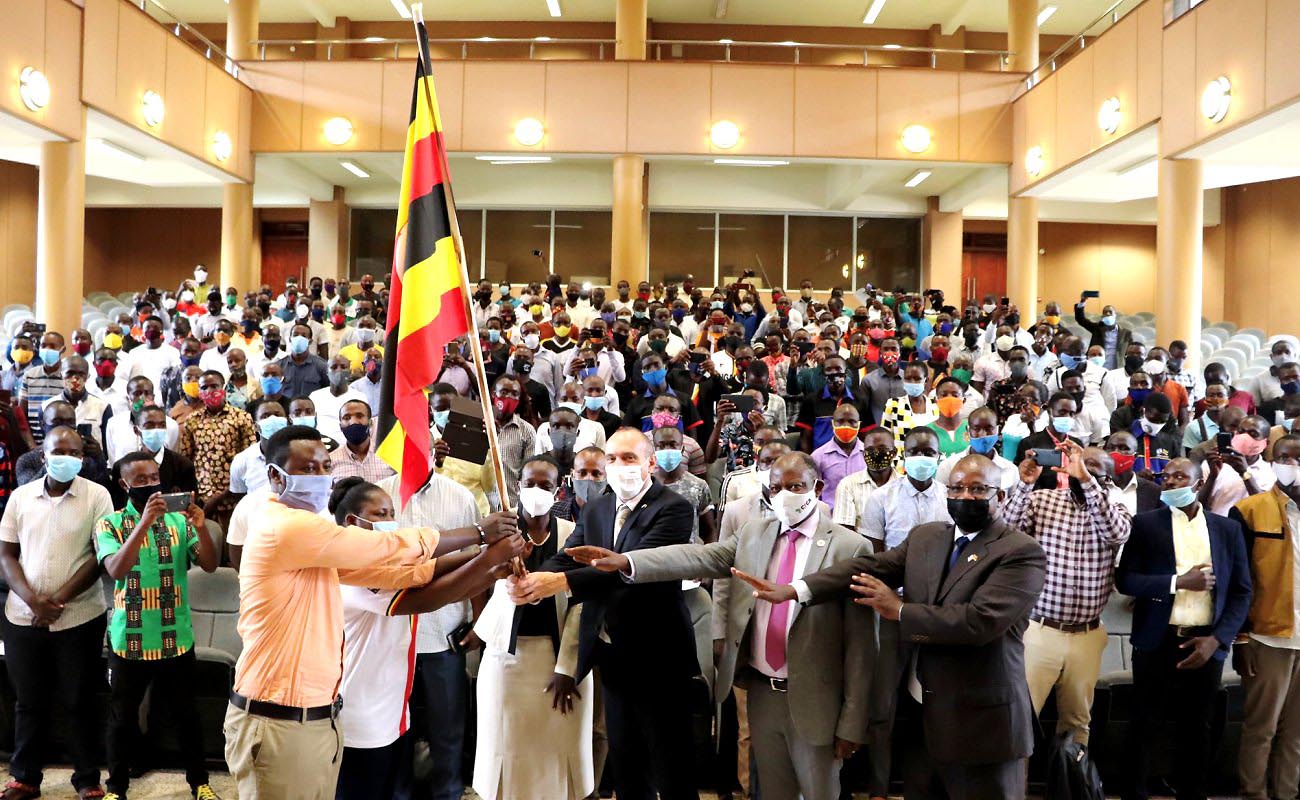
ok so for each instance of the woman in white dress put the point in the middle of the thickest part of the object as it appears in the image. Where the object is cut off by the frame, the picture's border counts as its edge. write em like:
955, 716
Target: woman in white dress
534, 722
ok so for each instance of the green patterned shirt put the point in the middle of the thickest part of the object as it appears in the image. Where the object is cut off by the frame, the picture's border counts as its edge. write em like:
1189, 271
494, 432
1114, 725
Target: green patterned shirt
151, 604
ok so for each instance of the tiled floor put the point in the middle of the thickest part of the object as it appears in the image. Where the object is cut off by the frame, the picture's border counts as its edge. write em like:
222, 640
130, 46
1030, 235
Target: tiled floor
154, 786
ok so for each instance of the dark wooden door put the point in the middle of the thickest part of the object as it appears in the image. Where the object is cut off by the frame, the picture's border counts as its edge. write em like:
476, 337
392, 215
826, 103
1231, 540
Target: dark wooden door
983, 272
284, 253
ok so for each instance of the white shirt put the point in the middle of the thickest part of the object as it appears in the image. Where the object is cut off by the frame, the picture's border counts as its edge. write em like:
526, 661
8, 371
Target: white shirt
1191, 547
1118, 380
763, 610
1041, 366
369, 391
151, 363
90, 411
590, 434
1291, 642
1098, 393
1010, 472
122, 438
328, 407
246, 510
214, 359
443, 504
248, 470
114, 395
378, 667
898, 507
739, 484
1230, 488
55, 537
1126, 496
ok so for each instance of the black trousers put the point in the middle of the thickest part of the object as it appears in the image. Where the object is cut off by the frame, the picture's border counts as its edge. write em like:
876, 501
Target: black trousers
650, 738
377, 773
173, 681
927, 779
1160, 689
445, 684
47, 668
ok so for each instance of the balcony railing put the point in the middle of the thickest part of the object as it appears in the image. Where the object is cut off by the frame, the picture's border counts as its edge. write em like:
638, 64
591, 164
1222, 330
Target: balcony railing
188, 34
1113, 14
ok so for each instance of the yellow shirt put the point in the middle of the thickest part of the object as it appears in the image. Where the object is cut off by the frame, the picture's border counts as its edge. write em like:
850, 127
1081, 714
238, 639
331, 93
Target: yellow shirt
1191, 547
357, 357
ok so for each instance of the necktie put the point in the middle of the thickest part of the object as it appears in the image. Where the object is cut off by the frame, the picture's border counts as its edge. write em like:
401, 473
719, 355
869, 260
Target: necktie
619, 519
774, 648
957, 548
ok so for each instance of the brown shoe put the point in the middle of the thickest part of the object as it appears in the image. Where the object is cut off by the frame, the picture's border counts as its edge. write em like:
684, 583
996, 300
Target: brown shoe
17, 790
90, 792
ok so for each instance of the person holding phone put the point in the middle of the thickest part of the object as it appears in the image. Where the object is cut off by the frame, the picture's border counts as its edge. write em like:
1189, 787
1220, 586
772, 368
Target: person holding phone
1106, 332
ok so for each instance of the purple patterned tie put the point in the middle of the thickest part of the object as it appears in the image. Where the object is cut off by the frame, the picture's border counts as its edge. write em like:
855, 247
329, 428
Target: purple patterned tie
774, 649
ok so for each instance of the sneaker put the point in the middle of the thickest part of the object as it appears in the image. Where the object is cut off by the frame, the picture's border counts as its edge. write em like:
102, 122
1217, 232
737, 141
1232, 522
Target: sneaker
114, 796
16, 790
205, 792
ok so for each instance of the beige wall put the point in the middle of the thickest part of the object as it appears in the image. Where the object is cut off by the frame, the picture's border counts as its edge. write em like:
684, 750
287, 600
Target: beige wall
1261, 282
17, 233
131, 248
46, 35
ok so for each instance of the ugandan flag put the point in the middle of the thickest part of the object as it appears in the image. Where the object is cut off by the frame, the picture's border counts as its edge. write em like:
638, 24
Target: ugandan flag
427, 305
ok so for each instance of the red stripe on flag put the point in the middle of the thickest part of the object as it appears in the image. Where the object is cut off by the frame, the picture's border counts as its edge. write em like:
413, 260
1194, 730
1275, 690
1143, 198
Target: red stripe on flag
427, 170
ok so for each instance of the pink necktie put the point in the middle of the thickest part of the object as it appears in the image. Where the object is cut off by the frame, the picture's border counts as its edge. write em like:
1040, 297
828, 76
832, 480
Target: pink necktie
776, 624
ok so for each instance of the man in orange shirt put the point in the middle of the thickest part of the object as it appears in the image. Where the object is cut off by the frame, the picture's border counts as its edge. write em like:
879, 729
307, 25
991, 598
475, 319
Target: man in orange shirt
1160, 382
282, 742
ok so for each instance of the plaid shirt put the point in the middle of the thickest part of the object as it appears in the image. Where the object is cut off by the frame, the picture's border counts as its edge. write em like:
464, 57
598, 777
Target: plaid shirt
1081, 541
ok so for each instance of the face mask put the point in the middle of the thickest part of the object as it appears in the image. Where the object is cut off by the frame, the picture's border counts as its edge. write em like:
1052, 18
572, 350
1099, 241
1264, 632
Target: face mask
531, 340
365, 335
1291, 387
505, 406
1123, 462
562, 442
668, 460
440, 418
626, 479
189, 361
1248, 445
595, 403
988, 308
1019, 369
655, 377
81, 348
963, 375
49, 357
562, 331
658, 345
587, 489
1108, 320
270, 426
356, 433
665, 419
1068, 361
1062, 424
339, 378
1178, 498
536, 501
152, 335
1098, 360
1138, 396
63, 468
191, 389
170, 303
271, 385
140, 495
1287, 423
971, 514
846, 433
213, 399
792, 508
983, 444
879, 460
920, 468
299, 344
106, 369
945, 328
939, 354
494, 335
835, 382
1287, 474
889, 359
950, 406
22, 357
272, 348
1052, 319
231, 300
1282, 358
308, 421
305, 492
1150, 428
913, 389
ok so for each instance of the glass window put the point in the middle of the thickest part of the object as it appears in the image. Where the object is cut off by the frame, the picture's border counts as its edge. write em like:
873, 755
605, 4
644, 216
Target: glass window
820, 251
889, 254
371, 241
582, 245
751, 242
681, 245
471, 235
517, 245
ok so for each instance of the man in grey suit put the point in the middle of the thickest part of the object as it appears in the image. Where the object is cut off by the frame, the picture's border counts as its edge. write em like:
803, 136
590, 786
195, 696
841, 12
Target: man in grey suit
968, 589
807, 670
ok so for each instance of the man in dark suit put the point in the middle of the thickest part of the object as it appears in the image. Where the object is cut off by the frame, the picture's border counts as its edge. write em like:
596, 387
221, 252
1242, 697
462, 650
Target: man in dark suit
640, 635
1106, 333
1188, 570
969, 589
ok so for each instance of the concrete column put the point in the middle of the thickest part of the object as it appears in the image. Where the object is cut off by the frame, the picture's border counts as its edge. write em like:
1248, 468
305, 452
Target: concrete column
957, 41
1022, 255
941, 251
237, 238
327, 237
61, 233
241, 29
629, 30
1180, 222
1022, 34
627, 257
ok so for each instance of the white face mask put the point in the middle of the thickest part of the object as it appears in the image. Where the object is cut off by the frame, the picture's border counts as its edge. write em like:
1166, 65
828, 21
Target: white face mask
536, 501
763, 476
626, 479
1150, 428
531, 341
792, 508
1287, 474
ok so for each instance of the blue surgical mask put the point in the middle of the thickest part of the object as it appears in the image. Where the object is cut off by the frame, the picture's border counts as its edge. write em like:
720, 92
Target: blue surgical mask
382, 525
63, 468
1098, 360
914, 389
595, 403
574, 407
271, 426
1288, 422
716, 304
1068, 361
440, 418
49, 357
494, 335
983, 444
1108, 320
299, 344
309, 421
1178, 498
921, 468
306, 492
271, 385
655, 377
668, 460
1062, 424
153, 439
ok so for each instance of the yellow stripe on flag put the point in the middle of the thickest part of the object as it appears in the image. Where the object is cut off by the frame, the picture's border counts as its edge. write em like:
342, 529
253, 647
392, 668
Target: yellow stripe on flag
424, 284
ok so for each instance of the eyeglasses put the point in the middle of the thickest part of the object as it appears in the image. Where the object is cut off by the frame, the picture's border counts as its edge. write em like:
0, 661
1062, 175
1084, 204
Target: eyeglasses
978, 491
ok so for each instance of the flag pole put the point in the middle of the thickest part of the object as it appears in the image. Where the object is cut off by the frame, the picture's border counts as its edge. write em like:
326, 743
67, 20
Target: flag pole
489, 417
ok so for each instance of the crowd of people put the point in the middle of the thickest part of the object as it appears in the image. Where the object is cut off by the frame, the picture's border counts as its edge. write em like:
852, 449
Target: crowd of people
800, 512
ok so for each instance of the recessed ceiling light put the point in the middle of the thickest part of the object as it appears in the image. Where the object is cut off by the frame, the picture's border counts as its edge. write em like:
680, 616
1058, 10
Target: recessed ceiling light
487, 39
529, 131
553, 7
118, 150
1045, 14
541, 38
354, 169
373, 39
724, 41
874, 11
506, 159
399, 5
893, 47
917, 178
750, 162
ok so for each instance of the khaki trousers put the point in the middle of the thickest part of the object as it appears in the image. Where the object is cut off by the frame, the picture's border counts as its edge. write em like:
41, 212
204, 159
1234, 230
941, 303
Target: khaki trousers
272, 759
1271, 725
1070, 662
743, 770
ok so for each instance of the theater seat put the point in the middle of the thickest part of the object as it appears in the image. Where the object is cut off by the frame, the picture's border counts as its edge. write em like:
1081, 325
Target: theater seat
214, 608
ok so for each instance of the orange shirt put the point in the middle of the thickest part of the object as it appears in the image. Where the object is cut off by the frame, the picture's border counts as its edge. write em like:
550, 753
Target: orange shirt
290, 608
1178, 399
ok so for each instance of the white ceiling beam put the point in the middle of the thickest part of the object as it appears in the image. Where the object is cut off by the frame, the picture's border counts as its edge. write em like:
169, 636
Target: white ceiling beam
984, 183
844, 184
958, 17
322, 15
281, 171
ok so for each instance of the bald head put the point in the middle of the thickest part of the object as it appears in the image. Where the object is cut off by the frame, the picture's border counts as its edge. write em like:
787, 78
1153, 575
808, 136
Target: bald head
974, 470
629, 441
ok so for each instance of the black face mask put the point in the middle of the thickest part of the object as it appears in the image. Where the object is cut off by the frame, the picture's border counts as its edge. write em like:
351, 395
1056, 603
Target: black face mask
140, 495
970, 515
1132, 364
1078, 398
356, 433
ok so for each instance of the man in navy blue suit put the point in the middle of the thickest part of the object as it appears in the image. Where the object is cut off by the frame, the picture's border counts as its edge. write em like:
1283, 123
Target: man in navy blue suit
1188, 570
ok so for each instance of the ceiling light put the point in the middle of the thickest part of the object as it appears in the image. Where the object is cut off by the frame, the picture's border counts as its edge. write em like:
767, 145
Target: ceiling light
34, 88
724, 134
724, 41
917, 178
337, 130
487, 39
529, 131
1216, 99
541, 38
893, 47
916, 138
373, 39
118, 150
874, 11
400, 6
354, 169
1034, 161
222, 147
514, 159
1045, 14
152, 106
750, 162
553, 6
720, 8
1108, 116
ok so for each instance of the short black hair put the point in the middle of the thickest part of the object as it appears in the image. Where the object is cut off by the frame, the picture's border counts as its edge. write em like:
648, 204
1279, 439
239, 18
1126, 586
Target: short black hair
1060, 396
544, 458
444, 388
279, 445
354, 401
145, 409
208, 372
132, 458
347, 495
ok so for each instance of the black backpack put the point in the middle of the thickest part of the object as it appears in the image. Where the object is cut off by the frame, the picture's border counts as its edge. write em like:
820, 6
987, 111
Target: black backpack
1071, 775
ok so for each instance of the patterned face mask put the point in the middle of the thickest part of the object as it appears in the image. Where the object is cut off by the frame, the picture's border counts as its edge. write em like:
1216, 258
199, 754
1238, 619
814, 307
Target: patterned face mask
879, 460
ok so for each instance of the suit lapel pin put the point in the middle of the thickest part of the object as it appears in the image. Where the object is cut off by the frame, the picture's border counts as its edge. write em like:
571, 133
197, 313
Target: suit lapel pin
973, 558
821, 542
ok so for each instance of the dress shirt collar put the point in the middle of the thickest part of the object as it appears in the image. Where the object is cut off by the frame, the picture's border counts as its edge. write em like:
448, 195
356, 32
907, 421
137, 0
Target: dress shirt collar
848, 393
632, 502
71, 491
910, 490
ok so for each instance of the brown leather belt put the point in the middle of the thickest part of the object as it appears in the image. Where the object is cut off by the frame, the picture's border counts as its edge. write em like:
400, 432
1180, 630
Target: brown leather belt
1066, 627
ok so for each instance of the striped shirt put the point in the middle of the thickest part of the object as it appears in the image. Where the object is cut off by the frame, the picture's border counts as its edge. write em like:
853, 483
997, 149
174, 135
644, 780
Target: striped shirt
36, 386
345, 464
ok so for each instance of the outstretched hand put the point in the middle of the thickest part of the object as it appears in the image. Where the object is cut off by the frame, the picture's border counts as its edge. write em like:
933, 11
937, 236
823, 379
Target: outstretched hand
600, 558
874, 593
766, 590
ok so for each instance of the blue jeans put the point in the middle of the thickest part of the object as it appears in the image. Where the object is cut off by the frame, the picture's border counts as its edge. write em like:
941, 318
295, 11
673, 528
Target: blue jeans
442, 679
